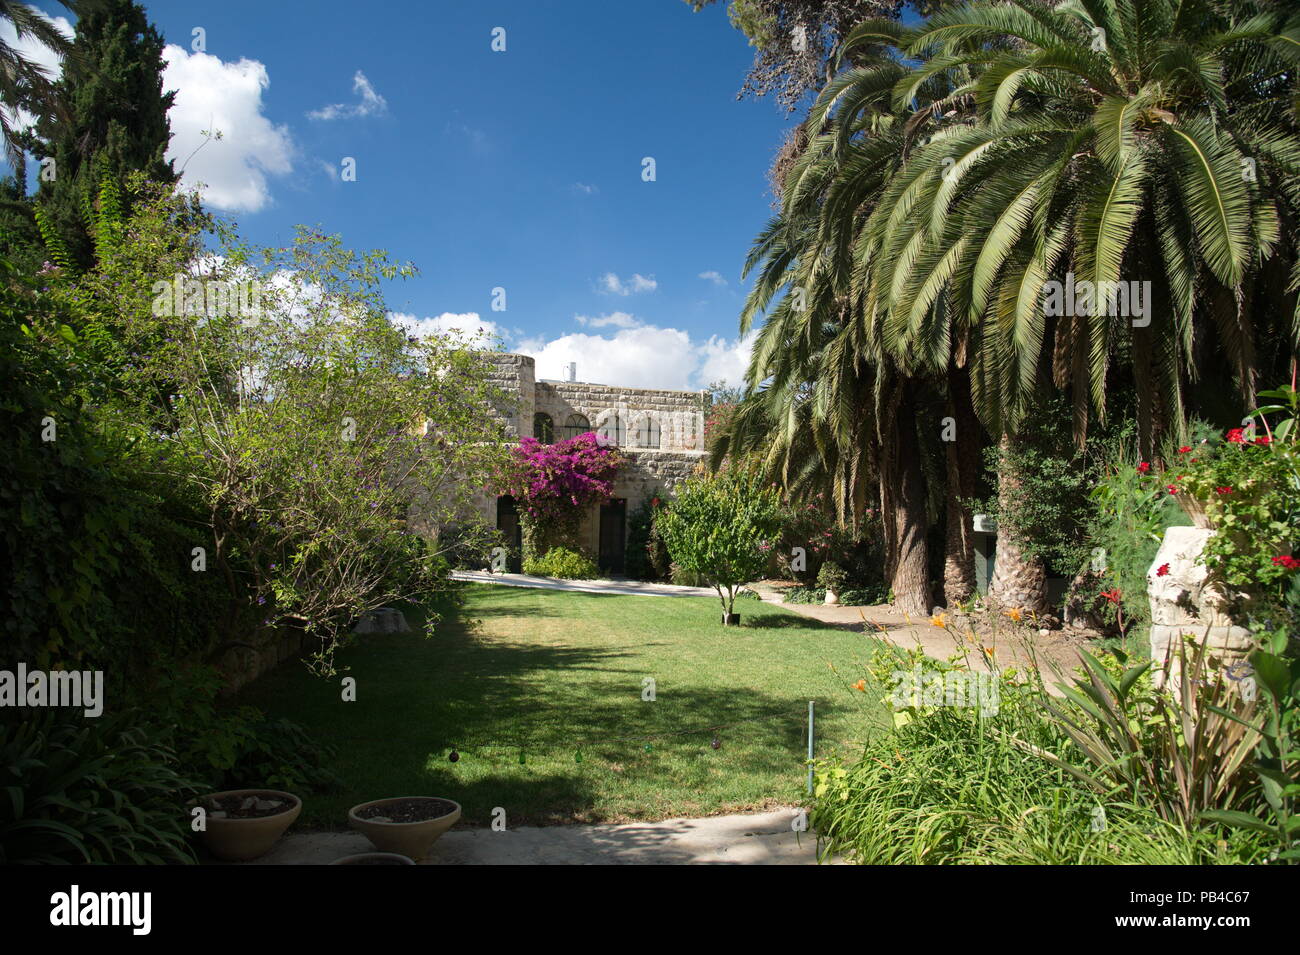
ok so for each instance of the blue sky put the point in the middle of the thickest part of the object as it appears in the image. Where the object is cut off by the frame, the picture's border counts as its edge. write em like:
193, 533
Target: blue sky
519, 169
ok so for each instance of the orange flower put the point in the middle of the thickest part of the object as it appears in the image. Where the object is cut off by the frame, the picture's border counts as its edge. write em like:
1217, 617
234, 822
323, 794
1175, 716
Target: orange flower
861, 685
991, 651
1014, 614
939, 620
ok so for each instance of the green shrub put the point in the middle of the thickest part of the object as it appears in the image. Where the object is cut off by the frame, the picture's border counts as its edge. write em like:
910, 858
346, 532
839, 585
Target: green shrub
850, 597
832, 577
79, 790
562, 563
949, 785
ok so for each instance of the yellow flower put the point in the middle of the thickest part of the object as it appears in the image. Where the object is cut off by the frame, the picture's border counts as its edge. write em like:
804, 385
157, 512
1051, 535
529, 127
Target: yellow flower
1014, 614
939, 620
991, 650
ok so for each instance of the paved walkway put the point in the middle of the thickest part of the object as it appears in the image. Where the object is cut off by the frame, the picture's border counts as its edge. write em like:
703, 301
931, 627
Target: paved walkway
634, 587
750, 839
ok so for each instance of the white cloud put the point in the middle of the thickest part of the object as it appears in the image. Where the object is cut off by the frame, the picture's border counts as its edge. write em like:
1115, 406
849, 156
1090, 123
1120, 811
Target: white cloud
726, 360
585, 188
644, 356
611, 284
616, 319
370, 103
467, 325
38, 53
714, 277
224, 97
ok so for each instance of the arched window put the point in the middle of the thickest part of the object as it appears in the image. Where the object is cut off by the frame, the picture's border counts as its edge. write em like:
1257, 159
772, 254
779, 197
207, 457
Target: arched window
575, 425
609, 428
646, 433
543, 428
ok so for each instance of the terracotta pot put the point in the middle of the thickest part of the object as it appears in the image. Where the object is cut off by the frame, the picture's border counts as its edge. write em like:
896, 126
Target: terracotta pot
374, 858
411, 839
239, 840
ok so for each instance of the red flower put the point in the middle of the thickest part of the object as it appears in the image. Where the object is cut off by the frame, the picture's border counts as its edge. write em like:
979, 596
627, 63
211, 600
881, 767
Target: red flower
1171, 489
1223, 490
1287, 561
1144, 467
1235, 437
1162, 570
1264, 439
1184, 449
1112, 595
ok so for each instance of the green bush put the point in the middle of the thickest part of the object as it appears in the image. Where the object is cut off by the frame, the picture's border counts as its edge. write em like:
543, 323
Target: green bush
949, 785
79, 790
850, 597
562, 563
832, 577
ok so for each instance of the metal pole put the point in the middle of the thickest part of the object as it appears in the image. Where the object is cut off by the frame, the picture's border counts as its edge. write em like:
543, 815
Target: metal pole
810, 747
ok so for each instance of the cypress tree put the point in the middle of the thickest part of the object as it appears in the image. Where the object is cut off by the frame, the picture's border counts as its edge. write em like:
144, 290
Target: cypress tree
116, 119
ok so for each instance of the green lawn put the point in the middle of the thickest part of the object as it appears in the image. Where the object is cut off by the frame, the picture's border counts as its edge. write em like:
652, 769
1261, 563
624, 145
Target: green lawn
555, 675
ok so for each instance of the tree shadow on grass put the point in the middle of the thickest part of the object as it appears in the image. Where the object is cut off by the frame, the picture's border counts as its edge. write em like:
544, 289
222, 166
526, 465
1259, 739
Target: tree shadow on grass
782, 621
583, 739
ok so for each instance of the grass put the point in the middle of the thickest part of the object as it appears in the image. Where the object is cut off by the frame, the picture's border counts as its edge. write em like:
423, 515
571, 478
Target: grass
557, 676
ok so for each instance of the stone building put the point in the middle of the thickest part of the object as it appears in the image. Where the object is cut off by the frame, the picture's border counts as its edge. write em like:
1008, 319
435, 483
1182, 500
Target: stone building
660, 432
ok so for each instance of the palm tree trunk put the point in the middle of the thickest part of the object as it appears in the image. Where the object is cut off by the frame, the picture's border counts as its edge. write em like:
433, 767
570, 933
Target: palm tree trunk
963, 461
1019, 579
902, 504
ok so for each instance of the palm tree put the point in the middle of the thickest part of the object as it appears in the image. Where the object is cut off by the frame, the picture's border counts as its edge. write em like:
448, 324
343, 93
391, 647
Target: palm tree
24, 84
1099, 142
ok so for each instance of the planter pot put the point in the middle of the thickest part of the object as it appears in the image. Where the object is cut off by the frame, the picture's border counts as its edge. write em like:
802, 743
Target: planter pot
374, 858
832, 597
731, 620
411, 839
239, 839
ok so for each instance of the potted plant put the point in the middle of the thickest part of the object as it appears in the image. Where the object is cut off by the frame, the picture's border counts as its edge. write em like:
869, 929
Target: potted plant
242, 824
407, 825
834, 578
374, 858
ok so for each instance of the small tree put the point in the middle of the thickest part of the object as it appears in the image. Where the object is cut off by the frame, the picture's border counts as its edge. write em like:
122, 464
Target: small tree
723, 528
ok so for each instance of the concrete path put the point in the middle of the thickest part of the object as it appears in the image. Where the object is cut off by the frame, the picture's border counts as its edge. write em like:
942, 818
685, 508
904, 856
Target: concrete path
634, 587
750, 839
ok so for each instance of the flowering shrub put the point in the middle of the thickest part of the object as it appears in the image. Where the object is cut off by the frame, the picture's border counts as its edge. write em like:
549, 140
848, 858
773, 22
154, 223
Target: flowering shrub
1249, 490
553, 482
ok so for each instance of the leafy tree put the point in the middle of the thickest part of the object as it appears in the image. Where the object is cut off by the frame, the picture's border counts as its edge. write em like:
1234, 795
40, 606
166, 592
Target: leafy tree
329, 451
723, 528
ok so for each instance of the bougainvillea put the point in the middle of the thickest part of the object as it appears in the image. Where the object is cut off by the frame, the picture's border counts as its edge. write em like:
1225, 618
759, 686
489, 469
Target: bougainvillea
555, 482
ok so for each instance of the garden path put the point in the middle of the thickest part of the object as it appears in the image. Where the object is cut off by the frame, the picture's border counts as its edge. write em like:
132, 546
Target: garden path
764, 838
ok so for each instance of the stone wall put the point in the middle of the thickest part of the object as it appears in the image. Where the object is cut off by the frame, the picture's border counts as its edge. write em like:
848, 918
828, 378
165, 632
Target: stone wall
515, 374
675, 417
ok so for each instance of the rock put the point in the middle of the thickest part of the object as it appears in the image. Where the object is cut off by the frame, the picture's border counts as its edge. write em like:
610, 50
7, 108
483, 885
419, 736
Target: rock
248, 803
218, 814
262, 805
